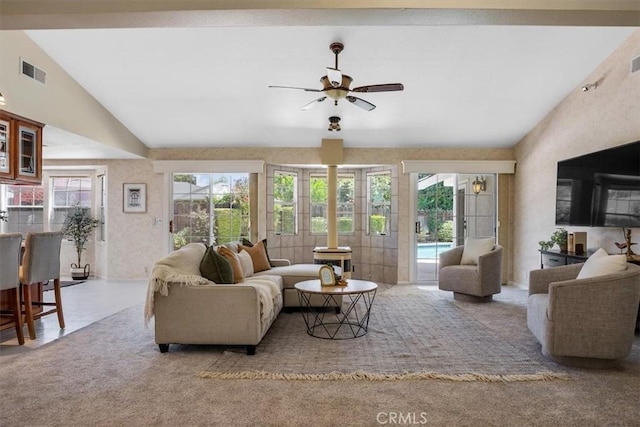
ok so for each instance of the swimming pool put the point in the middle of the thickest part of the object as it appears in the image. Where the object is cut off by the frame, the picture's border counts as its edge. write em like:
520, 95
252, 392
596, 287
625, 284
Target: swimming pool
432, 250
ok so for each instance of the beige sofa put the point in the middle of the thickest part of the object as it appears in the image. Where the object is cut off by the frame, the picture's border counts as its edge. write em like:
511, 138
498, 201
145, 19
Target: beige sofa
190, 309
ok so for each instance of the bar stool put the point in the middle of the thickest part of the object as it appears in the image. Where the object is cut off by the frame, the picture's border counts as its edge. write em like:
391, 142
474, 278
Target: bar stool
9, 278
41, 263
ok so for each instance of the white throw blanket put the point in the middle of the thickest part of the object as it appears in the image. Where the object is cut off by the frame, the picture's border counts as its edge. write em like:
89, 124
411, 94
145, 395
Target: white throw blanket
183, 267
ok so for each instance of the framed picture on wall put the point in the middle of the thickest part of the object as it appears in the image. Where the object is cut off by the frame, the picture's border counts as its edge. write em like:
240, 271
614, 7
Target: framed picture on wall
134, 198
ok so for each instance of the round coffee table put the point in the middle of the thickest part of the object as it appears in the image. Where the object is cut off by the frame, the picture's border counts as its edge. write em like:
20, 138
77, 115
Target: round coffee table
324, 322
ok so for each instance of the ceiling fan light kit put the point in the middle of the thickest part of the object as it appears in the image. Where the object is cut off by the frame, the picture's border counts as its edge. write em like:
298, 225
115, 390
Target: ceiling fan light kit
337, 86
334, 124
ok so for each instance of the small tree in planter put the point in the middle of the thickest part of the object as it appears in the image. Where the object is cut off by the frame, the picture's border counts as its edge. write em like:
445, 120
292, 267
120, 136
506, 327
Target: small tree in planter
78, 225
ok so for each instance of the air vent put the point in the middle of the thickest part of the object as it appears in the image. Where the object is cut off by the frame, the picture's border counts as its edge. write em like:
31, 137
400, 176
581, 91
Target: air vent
635, 64
32, 71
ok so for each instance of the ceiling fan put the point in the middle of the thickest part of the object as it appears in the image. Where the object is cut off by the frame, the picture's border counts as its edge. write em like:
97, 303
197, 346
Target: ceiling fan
335, 85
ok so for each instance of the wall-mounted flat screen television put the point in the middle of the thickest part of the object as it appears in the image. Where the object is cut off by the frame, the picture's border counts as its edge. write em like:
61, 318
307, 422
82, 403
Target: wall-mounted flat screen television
600, 189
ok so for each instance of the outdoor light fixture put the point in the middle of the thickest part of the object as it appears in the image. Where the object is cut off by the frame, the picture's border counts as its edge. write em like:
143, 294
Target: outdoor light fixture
589, 87
479, 185
2, 101
334, 124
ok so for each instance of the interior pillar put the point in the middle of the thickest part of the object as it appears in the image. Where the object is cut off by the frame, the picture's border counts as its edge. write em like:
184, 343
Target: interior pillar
332, 211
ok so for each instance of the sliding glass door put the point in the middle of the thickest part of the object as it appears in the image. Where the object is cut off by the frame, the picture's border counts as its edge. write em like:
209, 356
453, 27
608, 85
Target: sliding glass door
210, 208
449, 208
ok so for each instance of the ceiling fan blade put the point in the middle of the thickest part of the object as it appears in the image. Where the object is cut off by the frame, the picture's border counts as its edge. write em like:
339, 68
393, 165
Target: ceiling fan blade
365, 105
314, 102
306, 89
387, 87
335, 76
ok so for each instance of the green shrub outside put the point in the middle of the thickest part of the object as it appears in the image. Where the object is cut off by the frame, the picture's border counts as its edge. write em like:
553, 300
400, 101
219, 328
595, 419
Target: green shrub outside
284, 219
377, 224
318, 225
229, 224
345, 225
445, 232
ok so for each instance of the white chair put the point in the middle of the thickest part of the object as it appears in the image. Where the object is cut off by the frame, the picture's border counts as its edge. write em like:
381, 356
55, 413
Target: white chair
9, 278
41, 263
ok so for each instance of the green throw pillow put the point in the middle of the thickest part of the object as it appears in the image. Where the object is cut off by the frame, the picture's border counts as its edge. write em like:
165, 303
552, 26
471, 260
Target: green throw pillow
215, 267
246, 242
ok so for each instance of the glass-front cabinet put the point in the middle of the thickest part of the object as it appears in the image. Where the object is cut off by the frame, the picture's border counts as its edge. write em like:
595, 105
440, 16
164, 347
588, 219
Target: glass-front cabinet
20, 149
6, 171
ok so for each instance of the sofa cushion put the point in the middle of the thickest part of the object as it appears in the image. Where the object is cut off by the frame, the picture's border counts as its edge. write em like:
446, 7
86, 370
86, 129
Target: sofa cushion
232, 257
600, 263
215, 267
294, 273
259, 256
474, 248
246, 242
246, 263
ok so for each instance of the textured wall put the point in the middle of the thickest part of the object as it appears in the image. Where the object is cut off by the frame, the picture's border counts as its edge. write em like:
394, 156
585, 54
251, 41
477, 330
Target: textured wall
583, 122
134, 242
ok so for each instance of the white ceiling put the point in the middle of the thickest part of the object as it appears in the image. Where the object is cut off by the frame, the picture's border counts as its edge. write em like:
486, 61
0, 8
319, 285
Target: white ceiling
465, 86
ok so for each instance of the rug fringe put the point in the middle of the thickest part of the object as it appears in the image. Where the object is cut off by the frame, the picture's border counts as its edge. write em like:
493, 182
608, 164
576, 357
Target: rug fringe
369, 376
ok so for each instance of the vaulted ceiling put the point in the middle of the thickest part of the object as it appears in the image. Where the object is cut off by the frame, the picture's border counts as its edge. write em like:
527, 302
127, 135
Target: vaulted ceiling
198, 80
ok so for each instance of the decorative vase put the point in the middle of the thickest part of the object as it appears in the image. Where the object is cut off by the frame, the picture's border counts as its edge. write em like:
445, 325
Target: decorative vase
563, 248
80, 273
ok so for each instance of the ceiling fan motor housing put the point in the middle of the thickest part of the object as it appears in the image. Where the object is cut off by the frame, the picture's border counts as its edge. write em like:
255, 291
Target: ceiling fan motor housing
338, 92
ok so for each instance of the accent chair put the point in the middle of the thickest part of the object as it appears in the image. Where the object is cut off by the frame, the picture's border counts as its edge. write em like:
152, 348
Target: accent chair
473, 275
586, 322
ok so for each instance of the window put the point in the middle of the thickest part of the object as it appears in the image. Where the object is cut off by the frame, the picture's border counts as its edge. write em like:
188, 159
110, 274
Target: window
285, 207
102, 232
378, 202
210, 208
25, 205
345, 203
68, 192
37, 208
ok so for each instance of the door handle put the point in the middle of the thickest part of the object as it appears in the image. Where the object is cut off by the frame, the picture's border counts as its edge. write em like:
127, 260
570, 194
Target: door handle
418, 227
171, 226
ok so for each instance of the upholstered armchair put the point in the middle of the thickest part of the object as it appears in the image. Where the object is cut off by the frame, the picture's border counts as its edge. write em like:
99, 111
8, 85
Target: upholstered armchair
476, 279
586, 322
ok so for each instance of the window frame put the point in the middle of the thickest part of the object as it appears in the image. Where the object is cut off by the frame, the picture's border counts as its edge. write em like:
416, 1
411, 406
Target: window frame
341, 176
293, 204
386, 205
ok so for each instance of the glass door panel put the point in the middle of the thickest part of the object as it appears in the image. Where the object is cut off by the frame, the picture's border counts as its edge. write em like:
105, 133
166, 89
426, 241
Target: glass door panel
448, 212
435, 222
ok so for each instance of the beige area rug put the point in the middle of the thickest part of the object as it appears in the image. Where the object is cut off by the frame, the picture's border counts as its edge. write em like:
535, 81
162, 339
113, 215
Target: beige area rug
412, 335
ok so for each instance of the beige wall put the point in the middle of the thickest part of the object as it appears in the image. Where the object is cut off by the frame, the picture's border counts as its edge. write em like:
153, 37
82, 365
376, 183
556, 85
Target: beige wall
134, 242
61, 102
583, 122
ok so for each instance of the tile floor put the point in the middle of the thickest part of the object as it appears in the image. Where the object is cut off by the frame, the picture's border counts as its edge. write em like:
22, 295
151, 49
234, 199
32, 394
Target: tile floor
83, 304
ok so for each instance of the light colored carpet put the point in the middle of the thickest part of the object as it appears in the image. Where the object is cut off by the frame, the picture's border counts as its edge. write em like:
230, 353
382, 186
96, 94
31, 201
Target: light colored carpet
111, 374
410, 336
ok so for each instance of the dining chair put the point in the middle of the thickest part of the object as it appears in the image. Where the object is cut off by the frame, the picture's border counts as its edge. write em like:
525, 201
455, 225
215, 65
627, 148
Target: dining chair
41, 263
10, 244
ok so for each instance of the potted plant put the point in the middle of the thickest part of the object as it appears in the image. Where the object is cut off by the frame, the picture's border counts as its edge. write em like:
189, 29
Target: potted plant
560, 238
78, 225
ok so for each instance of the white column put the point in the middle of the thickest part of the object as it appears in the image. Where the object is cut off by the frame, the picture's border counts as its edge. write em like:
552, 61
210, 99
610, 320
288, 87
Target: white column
332, 190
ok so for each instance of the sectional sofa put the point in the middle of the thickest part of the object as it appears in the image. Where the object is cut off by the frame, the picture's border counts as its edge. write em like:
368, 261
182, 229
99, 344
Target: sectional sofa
190, 309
